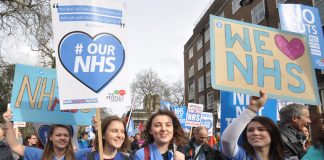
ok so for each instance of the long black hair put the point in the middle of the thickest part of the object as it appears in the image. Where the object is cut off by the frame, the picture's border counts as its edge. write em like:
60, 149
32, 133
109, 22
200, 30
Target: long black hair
276, 144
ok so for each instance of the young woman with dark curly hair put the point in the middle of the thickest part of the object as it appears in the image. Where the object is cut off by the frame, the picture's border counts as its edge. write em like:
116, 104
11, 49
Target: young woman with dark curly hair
162, 133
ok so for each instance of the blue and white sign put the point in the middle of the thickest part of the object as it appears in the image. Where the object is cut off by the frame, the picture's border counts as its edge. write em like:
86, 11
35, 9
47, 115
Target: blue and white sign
180, 112
233, 104
207, 121
91, 56
165, 105
94, 61
35, 98
131, 128
306, 20
194, 114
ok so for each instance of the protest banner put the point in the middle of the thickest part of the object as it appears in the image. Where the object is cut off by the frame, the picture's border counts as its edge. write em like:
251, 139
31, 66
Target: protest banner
305, 20
233, 104
194, 114
246, 57
131, 128
35, 98
180, 112
207, 121
90, 43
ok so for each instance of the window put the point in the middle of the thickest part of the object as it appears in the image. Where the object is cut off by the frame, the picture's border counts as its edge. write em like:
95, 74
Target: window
191, 91
235, 6
201, 100
199, 43
207, 36
320, 5
200, 62
258, 13
201, 83
191, 70
210, 100
191, 53
207, 57
208, 79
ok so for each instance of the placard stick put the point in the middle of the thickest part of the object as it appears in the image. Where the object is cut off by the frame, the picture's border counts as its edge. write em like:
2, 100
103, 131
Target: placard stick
190, 132
99, 133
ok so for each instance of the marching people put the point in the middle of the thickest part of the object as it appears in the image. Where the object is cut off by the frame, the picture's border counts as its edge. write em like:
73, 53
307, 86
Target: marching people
293, 118
316, 151
83, 141
31, 140
114, 140
199, 149
163, 134
59, 145
306, 142
260, 135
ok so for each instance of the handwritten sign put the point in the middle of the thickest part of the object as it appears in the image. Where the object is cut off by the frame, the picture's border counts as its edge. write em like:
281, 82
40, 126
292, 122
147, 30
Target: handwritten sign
35, 98
246, 57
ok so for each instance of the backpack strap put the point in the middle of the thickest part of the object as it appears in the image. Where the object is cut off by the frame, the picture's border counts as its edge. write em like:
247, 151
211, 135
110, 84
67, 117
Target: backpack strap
146, 153
91, 155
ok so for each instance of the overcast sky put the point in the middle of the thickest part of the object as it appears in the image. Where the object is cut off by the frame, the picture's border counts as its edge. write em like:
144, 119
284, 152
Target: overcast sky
157, 33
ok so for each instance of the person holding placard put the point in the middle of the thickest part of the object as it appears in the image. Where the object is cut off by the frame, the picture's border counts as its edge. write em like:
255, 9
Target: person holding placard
114, 140
261, 137
163, 133
59, 143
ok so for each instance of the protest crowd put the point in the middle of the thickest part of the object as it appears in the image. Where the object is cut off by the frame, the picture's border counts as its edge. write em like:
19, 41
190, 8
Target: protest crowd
163, 139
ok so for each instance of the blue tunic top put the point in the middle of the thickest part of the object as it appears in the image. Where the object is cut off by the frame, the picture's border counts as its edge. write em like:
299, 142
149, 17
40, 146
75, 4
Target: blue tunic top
32, 153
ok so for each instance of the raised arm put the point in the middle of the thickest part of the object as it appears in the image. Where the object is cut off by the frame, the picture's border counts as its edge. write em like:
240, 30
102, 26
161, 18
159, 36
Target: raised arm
233, 131
11, 136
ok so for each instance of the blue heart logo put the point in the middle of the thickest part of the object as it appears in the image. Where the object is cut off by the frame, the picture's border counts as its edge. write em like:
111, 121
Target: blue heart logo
93, 61
207, 123
43, 133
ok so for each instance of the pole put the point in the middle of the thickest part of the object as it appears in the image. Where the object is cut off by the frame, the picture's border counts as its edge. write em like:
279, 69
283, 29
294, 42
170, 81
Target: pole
99, 133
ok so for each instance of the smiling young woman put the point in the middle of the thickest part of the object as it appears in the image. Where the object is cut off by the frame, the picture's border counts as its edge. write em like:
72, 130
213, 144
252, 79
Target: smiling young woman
162, 133
261, 137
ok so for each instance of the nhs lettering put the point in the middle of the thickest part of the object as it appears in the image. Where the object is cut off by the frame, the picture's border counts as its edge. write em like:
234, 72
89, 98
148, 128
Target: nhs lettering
89, 59
247, 57
233, 104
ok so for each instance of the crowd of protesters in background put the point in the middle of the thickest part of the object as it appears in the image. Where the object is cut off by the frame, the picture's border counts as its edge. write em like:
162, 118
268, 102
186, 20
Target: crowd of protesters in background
164, 139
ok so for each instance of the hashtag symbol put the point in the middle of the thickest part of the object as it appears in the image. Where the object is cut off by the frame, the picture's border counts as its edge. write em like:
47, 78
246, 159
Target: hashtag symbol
78, 48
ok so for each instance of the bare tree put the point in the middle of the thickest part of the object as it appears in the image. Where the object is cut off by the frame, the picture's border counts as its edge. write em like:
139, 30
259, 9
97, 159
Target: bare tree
33, 19
177, 93
148, 89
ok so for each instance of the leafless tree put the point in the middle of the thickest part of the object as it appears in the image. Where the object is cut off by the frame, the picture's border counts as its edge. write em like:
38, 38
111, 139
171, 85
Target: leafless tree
33, 19
177, 93
148, 89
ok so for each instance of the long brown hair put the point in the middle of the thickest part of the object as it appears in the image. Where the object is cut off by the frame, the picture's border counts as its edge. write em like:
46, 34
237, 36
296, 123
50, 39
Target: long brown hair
49, 148
178, 133
104, 125
276, 144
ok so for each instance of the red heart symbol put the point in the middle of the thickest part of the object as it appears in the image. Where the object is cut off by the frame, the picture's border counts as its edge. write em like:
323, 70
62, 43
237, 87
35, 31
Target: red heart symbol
293, 49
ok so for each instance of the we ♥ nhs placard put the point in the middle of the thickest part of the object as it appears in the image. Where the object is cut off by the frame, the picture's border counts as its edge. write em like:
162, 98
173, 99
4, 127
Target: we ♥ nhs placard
247, 57
91, 57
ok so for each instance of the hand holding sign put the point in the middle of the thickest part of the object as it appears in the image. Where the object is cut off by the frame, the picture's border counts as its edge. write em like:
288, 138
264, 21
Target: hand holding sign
256, 103
7, 116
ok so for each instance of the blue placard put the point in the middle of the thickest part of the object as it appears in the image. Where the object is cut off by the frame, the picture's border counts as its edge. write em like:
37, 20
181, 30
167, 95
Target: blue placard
232, 104
131, 128
35, 98
306, 20
180, 112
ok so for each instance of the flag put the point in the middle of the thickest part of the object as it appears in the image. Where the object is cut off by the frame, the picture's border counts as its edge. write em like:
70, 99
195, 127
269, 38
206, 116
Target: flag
212, 142
140, 127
